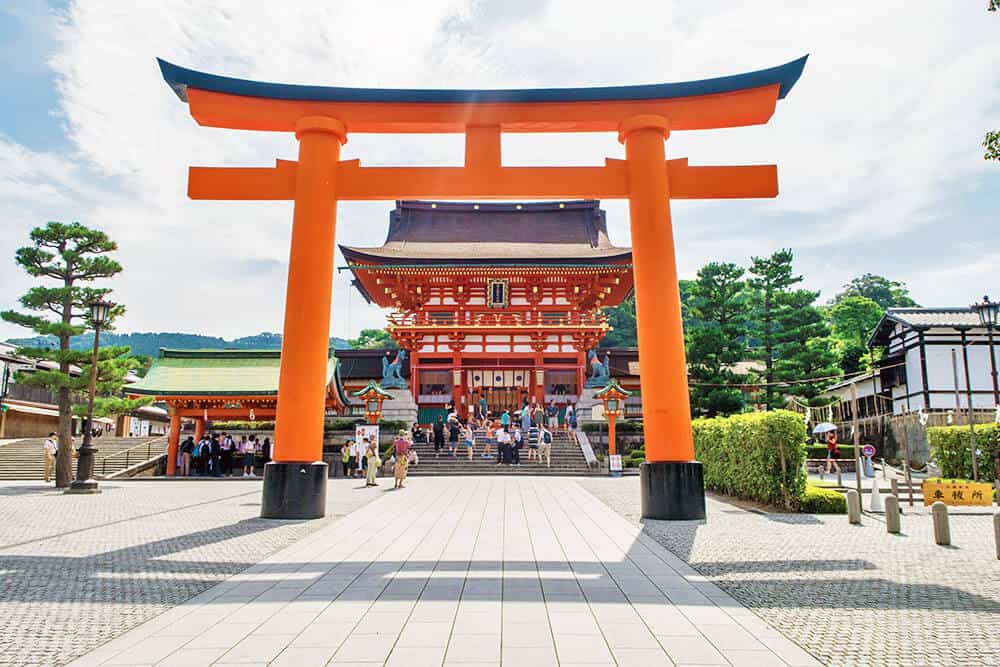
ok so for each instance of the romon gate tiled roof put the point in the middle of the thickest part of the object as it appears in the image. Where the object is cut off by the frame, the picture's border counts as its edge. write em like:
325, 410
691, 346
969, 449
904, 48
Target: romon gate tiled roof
218, 373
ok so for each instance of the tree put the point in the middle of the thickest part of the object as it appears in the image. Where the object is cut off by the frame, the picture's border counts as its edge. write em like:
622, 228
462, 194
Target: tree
67, 254
853, 319
886, 293
790, 335
372, 339
716, 338
622, 321
113, 365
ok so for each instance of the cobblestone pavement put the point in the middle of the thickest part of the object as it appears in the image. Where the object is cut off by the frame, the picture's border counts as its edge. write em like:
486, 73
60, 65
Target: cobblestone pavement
77, 571
850, 595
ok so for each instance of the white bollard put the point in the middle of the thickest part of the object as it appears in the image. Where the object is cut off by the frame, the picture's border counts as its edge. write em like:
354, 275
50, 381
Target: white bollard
853, 507
876, 501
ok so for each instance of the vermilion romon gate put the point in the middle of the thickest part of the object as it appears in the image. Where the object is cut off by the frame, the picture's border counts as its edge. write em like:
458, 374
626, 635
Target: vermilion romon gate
322, 117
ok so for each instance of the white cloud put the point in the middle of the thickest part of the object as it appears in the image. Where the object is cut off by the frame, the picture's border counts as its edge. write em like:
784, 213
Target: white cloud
875, 141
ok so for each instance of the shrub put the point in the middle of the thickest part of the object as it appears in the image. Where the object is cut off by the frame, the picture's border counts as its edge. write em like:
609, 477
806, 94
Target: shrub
817, 500
950, 448
634, 458
759, 456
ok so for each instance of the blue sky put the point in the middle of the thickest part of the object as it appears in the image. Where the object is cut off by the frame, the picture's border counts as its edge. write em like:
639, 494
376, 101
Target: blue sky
877, 147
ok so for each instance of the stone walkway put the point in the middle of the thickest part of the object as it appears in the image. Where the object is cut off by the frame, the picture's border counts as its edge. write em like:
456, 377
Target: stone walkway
516, 571
851, 595
77, 571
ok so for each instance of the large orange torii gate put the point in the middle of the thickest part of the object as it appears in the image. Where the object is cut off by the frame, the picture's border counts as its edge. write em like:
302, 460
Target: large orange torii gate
321, 118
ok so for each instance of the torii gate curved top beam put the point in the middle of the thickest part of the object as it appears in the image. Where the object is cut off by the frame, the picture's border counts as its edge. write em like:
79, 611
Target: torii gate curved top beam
729, 101
643, 117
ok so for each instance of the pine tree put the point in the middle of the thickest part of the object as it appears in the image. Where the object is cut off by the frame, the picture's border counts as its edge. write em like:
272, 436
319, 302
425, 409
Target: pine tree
791, 335
68, 254
716, 338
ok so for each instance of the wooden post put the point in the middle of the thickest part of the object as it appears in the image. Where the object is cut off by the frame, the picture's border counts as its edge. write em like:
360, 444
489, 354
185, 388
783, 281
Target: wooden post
996, 532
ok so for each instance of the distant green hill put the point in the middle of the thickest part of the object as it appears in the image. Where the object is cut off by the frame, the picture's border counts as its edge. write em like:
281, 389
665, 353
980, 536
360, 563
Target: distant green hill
149, 344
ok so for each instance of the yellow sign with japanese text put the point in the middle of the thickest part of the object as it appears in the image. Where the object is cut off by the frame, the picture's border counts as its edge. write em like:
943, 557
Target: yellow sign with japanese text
958, 493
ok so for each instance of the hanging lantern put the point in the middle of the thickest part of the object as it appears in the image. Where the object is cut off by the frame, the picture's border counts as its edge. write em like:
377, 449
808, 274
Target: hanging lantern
253, 417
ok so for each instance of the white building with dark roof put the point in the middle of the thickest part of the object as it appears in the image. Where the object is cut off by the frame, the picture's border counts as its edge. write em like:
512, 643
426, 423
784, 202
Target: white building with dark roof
917, 370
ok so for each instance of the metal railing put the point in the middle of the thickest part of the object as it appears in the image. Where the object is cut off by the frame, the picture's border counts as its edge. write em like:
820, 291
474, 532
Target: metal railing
133, 454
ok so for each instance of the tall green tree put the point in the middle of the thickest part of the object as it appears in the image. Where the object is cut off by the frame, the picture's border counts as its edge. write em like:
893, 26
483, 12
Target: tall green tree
886, 293
716, 338
805, 352
852, 320
622, 321
789, 333
64, 256
372, 339
113, 366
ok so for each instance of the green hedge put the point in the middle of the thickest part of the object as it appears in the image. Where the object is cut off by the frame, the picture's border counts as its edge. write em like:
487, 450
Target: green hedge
817, 500
759, 456
950, 449
621, 426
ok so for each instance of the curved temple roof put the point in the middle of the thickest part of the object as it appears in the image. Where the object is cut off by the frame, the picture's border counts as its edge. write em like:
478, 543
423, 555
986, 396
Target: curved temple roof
180, 79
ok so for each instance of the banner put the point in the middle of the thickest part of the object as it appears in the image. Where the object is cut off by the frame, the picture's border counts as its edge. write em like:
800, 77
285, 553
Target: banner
369, 431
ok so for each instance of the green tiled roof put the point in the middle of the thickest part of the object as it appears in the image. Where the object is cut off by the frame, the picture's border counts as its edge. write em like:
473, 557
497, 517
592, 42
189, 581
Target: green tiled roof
219, 373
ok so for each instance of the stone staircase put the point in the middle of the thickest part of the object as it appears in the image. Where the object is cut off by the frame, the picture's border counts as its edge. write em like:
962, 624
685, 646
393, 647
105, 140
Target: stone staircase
23, 459
567, 459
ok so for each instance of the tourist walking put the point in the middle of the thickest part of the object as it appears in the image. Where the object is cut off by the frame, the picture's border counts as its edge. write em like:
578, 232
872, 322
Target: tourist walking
526, 412
545, 448
454, 430
505, 419
216, 456
401, 450
345, 457
533, 445
833, 452
484, 407
503, 446
552, 415
357, 456
249, 456
187, 451
490, 436
438, 435
227, 447
265, 451
470, 440
49, 450
518, 441
372, 462
570, 416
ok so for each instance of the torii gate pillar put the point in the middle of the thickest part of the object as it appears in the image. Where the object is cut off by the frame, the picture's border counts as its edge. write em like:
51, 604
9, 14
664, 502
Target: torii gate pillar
672, 481
295, 482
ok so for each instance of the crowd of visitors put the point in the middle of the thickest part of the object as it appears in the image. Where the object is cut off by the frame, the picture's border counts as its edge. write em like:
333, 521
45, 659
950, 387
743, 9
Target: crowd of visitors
222, 455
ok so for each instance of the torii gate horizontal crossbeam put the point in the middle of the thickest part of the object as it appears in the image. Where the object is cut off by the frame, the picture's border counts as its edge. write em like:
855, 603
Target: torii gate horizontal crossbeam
355, 182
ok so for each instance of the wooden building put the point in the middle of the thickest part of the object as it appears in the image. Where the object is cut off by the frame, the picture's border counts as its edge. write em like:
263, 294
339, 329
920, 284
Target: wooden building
916, 370
494, 300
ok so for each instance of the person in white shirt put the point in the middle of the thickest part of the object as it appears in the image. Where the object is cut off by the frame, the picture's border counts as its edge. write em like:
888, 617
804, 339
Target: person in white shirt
49, 450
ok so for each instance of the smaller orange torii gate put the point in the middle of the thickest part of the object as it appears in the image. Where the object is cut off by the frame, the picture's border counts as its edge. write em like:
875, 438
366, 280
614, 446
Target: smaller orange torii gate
643, 117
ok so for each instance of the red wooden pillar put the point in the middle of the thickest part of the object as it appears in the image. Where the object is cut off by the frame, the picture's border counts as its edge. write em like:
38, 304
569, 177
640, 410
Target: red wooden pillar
456, 387
173, 441
538, 374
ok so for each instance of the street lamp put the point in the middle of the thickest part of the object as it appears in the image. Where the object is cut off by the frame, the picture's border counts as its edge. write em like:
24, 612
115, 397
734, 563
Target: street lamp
373, 395
613, 397
988, 312
85, 482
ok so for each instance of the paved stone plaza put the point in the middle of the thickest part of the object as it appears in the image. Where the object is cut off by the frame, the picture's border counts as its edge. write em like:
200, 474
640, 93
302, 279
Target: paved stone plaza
850, 595
76, 571
518, 571
523, 571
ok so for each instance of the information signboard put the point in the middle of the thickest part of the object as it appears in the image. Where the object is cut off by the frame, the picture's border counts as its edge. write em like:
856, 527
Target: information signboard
954, 492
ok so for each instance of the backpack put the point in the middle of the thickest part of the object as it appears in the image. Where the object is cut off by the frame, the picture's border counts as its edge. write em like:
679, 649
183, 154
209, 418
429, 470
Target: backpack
547, 438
